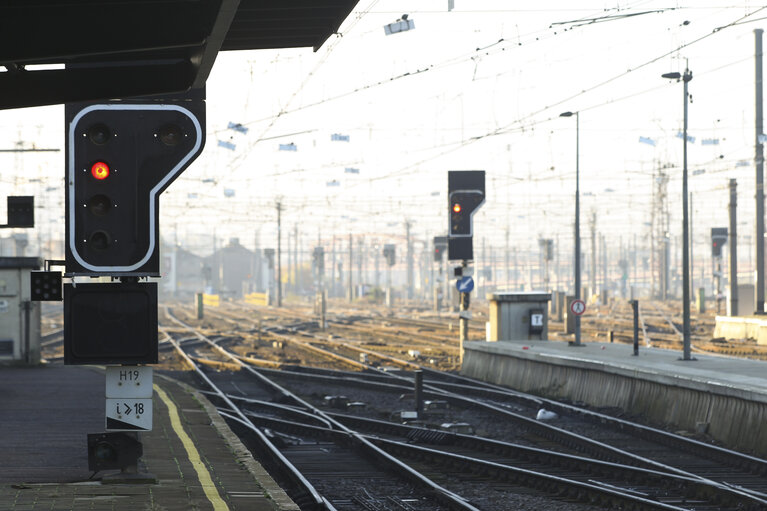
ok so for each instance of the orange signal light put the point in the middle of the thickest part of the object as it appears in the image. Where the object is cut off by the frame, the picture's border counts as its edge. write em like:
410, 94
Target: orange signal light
456, 208
100, 170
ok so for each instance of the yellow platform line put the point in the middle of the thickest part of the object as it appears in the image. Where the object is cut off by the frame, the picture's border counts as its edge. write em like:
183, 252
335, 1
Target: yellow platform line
194, 456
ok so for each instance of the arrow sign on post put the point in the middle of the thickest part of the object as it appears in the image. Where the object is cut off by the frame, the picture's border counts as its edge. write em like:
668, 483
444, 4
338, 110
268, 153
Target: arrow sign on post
464, 284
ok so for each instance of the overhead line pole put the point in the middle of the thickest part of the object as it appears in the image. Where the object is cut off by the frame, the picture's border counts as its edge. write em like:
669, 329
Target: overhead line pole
279, 254
759, 161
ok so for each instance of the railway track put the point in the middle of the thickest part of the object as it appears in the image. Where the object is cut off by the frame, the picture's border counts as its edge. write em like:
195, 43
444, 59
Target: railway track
537, 434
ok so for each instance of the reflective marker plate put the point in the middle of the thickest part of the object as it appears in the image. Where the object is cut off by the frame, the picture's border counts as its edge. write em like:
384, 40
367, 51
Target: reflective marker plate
133, 382
129, 415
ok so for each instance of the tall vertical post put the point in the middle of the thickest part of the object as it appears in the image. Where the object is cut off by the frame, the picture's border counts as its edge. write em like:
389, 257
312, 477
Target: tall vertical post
732, 307
360, 243
377, 255
577, 226
759, 160
463, 321
507, 262
692, 249
603, 289
634, 281
418, 392
686, 233
593, 270
577, 262
279, 254
296, 252
350, 272
333, 267
635, 308
409, 261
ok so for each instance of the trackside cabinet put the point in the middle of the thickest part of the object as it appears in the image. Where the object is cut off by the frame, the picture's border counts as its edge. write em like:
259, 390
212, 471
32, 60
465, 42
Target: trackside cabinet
518, 316
19, 315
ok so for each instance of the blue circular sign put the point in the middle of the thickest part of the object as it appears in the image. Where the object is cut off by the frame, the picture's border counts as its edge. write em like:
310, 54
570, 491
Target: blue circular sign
464, 284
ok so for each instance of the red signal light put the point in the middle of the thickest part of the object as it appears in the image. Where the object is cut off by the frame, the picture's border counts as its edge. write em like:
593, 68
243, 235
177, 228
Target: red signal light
100, 170
456, 208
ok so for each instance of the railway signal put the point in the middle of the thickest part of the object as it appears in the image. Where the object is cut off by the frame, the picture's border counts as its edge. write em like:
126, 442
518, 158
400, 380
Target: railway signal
466, 193
389, 253
440, 246
718, 239
21, 211
120, 158
318, 260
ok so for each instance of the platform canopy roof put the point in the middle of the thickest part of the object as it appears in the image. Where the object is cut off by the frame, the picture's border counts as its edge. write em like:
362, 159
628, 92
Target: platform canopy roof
59, 51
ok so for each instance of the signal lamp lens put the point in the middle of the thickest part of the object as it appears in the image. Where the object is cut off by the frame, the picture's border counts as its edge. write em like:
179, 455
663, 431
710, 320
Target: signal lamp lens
99, 205
170, 135
456, 208
105, 452
100, 240
98, 134
100, 170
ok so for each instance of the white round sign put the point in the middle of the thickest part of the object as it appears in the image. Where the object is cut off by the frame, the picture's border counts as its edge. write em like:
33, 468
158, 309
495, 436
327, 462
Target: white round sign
578, 307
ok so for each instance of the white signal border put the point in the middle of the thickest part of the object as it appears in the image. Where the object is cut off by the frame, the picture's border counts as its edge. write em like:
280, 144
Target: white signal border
153, 192
471, 215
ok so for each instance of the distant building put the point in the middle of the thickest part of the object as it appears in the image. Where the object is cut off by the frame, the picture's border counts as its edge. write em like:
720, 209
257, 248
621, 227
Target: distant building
234, 270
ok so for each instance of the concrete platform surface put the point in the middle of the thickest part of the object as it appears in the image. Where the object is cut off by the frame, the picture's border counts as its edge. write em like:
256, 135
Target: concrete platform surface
725, 397
46, 413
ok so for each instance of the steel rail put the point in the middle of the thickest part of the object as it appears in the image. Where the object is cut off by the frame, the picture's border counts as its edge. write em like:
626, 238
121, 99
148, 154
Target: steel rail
448, 498
288, 468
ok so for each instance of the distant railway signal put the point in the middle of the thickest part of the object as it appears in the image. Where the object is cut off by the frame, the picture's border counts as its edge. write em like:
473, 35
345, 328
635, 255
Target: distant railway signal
440, 246
318, 260
718, 239
120, 158
21, 211
389, 254
466, 193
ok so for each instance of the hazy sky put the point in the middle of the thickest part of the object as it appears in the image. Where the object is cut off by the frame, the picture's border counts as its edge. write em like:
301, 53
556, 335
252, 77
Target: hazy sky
480, 87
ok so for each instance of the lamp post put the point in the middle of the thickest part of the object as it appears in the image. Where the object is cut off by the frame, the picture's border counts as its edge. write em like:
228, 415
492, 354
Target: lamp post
686, 77
577, 261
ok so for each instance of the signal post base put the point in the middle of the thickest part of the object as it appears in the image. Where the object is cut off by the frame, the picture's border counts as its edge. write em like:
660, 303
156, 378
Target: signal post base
128, 476
43, 467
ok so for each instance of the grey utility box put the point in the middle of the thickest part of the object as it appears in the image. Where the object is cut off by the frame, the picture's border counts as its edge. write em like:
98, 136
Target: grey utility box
19, 315
518, 316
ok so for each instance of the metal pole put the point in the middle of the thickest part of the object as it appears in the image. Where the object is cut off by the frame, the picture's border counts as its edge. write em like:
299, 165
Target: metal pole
463, 322
333, 267
577, 227
692, 247
418, 392
409, 261
360, 280
733, 305
350, 272
685, 234
759, 159
635, 307
279, 254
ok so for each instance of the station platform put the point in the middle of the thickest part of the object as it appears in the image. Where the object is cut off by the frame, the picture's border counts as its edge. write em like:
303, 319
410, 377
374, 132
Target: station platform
46, 413
723, 397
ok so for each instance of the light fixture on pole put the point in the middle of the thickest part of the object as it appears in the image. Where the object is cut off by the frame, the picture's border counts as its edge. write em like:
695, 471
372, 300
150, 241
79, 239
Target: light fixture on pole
577, 261
686, 77
401, 25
